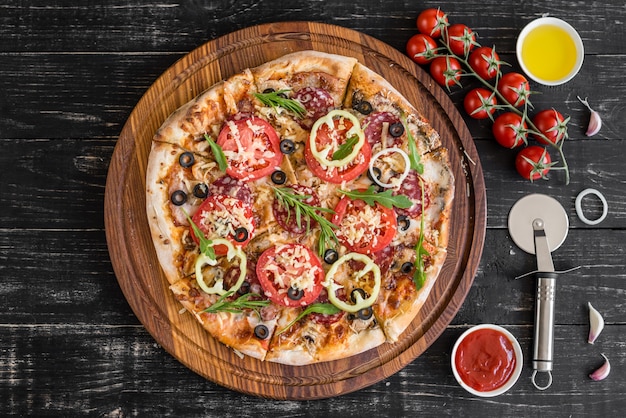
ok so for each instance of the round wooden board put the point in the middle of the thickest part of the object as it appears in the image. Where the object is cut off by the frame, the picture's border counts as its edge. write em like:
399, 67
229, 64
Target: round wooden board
134, 259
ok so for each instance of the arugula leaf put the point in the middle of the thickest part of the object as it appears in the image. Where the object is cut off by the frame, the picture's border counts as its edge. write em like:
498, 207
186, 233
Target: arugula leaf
419, 277
218, 153
288, 199
238, 305
370, 196
206, 245
346, 148
274, 99
321, 308
414, 156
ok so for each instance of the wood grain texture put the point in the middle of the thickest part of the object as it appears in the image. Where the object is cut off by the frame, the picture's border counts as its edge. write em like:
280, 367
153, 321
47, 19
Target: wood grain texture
70, 345
131, 246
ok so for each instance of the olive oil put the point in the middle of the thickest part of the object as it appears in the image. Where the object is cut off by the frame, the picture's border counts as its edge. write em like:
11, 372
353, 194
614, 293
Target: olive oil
549, 52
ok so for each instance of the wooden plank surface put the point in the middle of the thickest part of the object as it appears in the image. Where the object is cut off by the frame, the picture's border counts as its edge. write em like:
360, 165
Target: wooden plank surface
69, 343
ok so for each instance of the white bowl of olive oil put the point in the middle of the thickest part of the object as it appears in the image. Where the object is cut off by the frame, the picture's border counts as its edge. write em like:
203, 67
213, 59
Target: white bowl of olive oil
550, 51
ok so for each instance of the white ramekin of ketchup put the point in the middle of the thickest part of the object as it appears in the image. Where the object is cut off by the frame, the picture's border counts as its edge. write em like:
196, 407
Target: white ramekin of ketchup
487, 360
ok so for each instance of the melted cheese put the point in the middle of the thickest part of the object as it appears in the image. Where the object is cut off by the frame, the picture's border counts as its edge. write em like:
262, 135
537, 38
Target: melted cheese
223, 221
364, 226
293, 268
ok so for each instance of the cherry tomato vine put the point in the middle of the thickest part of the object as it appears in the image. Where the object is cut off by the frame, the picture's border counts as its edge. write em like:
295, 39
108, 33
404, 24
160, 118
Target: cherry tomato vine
460, 55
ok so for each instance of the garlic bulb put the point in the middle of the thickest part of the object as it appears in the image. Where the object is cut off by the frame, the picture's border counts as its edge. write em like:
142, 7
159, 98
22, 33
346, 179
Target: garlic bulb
595, 121
596, 324
602, 372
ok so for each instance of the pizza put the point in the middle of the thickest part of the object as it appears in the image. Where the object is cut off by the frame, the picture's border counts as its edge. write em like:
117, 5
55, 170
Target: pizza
300, 210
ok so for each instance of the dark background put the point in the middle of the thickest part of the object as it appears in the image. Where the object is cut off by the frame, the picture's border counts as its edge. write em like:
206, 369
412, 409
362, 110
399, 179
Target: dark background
70, 75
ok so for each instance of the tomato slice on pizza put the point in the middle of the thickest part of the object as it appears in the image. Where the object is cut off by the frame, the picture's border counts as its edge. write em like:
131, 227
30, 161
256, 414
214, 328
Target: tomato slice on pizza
290, 275
251, 146
363, 228
337, 150
221, 216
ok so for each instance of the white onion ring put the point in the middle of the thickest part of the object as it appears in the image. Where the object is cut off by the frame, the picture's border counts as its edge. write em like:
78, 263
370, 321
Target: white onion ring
579, 209
398, 180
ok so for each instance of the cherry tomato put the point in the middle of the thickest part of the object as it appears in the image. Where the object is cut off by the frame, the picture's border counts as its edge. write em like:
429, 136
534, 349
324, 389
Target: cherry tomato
485, 62
480, 103
362, 228
461, 39
514, 87
221, 216
290, 274
510, 130
251, 146
333, 174
421, 48
533, 162
552, 124
446, 70
431, 21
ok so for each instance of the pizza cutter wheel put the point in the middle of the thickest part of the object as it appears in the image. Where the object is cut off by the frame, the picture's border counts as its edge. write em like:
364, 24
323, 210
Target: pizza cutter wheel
538, 224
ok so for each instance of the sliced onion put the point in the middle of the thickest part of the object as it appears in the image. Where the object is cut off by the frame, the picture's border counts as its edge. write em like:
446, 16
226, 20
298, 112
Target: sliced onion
396, 180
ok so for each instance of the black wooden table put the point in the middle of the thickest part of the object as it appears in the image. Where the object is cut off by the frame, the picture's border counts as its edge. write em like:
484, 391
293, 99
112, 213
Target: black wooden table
71, 73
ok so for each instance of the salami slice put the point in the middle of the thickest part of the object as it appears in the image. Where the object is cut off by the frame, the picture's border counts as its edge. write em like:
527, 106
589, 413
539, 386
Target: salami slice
326, 319
412, 188
286, 216
373, 128
232, 187
317, 103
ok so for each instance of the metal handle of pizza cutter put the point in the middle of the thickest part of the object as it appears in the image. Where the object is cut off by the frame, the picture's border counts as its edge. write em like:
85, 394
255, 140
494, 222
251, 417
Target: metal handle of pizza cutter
543, 347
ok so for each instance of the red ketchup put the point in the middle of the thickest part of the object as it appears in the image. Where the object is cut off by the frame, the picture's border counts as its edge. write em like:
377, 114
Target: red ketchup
485, 359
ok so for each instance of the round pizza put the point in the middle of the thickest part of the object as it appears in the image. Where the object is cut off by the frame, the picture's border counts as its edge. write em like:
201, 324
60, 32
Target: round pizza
300, 210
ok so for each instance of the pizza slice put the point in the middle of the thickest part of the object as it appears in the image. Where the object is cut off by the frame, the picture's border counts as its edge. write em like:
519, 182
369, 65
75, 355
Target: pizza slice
385, 113
414, 259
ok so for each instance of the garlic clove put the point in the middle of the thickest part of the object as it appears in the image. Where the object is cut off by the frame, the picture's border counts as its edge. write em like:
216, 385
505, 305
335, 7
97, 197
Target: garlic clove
595, 121
596, 324
601, 372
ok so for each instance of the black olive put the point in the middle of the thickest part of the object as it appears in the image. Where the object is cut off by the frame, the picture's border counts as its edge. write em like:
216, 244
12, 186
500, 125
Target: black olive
241, 234
404, 222
186, 159
295, 294
377, 174
261, 332
279, 177
359, 291
200, 190
245, 288
330, 256
178, 198
268, 90
363, 106
406, 267
287, 146
396, 129
365, 313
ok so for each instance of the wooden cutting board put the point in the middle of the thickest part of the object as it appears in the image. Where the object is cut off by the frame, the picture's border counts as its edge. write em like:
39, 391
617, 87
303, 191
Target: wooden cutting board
134, 259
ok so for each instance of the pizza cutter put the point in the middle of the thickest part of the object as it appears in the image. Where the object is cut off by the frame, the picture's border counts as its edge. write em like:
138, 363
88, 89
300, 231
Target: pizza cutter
538, 224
